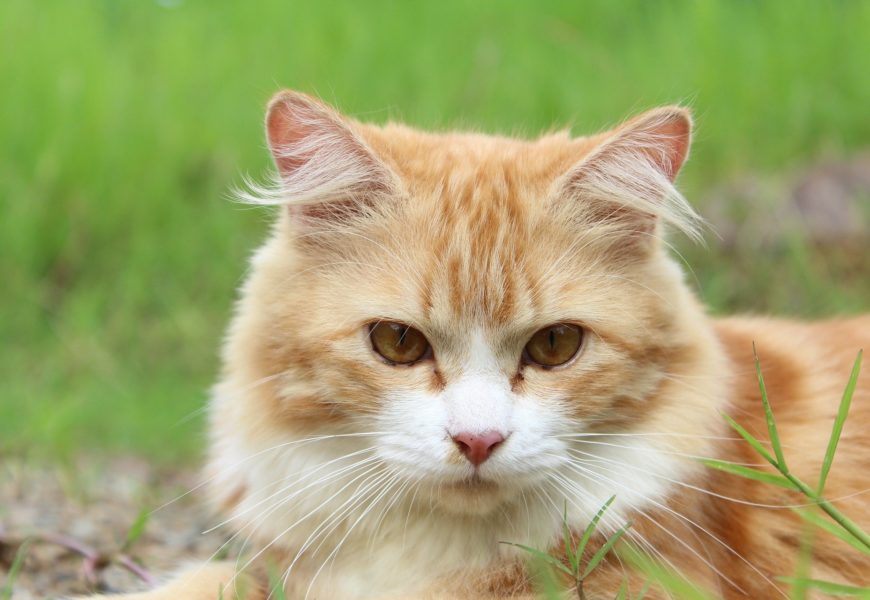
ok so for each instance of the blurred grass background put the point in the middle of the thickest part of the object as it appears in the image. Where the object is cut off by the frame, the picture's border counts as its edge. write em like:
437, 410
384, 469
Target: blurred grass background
125, 123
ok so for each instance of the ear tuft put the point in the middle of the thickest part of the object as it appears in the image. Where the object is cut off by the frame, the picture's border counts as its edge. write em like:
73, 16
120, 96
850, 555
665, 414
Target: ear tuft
665, 134
630, 175
325, 167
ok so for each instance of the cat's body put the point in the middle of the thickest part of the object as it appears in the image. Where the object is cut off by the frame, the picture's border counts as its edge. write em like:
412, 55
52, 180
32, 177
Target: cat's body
353, 475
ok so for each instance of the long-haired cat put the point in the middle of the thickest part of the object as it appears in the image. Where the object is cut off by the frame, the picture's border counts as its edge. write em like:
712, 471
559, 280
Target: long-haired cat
453, 340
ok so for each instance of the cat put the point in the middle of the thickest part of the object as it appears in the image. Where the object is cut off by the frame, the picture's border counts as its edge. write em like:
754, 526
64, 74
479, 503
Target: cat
454, 340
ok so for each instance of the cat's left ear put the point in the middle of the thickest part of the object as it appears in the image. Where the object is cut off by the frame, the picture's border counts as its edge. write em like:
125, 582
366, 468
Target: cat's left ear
629, 176
328, 172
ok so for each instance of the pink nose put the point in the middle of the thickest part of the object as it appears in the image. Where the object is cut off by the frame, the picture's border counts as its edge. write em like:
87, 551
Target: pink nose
477, 447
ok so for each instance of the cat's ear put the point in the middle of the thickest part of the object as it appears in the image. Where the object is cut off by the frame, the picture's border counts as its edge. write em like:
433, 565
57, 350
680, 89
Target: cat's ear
327, 170
628, 178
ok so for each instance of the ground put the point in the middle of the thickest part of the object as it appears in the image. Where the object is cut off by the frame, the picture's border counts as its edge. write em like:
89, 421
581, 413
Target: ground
93, 505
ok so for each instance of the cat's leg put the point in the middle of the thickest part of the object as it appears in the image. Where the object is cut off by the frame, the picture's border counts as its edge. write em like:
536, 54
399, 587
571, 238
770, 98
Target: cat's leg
211, 581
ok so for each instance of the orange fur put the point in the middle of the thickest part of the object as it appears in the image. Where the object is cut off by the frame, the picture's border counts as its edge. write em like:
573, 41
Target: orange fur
463, 235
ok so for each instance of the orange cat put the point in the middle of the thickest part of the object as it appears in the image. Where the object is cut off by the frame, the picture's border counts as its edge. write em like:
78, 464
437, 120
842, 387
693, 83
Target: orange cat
450, 338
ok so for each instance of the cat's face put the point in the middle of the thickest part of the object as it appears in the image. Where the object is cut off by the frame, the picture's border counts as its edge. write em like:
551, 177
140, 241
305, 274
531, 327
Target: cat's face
467, 303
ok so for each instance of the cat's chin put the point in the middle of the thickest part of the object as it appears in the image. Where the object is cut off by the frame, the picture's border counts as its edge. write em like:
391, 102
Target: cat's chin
472, 496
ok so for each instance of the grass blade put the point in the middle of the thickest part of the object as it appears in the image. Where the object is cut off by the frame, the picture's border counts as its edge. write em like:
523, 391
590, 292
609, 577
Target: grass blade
643, 591
604, 550
768, 414
136, 530
545, 581
672, 583
751, 440
816, 519
276, 585
547, 558
623, 591
845, 402
748, 472
6, 594
834, 589
587, 533
573, 558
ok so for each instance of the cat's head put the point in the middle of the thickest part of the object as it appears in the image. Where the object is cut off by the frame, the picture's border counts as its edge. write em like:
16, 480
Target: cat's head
461, 303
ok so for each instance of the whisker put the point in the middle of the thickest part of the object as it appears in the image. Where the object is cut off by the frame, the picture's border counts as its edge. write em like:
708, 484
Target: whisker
417, 487
598, 478
691, 486
601, 478
306, 516
405, 484
644, 544
327, 477
332, 521
648, 434
335, 551
262, 517
635, 536
668, 452
260, 453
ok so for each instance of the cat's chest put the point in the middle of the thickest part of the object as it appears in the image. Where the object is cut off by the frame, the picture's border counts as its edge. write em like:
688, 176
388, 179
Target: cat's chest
408, 555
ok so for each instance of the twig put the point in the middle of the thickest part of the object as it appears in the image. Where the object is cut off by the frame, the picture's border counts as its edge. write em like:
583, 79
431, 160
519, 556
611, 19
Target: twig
94, 562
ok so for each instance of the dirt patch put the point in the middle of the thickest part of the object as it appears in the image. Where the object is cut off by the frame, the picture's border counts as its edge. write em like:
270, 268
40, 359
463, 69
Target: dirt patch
89, 509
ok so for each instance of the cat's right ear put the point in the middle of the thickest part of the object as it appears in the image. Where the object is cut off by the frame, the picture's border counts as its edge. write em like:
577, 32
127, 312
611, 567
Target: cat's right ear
327, 170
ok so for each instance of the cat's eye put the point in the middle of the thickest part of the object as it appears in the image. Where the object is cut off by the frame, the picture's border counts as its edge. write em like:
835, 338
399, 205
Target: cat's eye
398, 343
554, 345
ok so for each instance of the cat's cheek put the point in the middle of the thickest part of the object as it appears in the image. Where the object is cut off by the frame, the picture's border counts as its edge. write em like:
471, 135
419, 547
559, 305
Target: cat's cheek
413, 432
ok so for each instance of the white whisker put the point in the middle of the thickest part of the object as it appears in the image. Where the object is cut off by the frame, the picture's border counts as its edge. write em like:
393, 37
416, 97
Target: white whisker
594, 474
258, 454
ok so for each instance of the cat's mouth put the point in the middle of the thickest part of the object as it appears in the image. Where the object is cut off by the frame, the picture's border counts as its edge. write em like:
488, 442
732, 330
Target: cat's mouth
472, 495
474, 483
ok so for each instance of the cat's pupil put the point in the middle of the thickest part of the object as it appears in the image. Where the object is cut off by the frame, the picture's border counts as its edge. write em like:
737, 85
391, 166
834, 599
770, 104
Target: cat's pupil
403, 335
552, 340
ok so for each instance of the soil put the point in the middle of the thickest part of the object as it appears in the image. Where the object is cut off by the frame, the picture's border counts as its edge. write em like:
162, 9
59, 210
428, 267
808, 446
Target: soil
89, 508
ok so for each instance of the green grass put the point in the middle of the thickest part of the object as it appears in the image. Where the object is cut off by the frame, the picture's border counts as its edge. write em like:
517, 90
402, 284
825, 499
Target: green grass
17, 562
125, 123
837, 523
576, 566
778, 459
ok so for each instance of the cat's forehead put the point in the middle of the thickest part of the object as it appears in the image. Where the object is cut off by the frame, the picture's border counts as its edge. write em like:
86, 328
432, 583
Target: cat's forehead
475, 241
429, 160
483, 251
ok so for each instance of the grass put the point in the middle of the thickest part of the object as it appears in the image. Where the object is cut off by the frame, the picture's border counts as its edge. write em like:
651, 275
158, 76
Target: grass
14, 570
573, 566
124, 125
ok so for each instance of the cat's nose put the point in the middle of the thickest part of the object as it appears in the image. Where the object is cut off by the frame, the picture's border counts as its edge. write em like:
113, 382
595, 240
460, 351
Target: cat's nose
477, 447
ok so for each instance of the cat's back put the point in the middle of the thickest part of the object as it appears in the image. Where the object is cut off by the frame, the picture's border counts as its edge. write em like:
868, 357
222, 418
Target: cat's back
798, 358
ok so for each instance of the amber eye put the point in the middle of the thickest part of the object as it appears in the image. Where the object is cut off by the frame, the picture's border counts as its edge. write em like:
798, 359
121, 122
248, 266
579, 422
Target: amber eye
398, 343
554, 345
